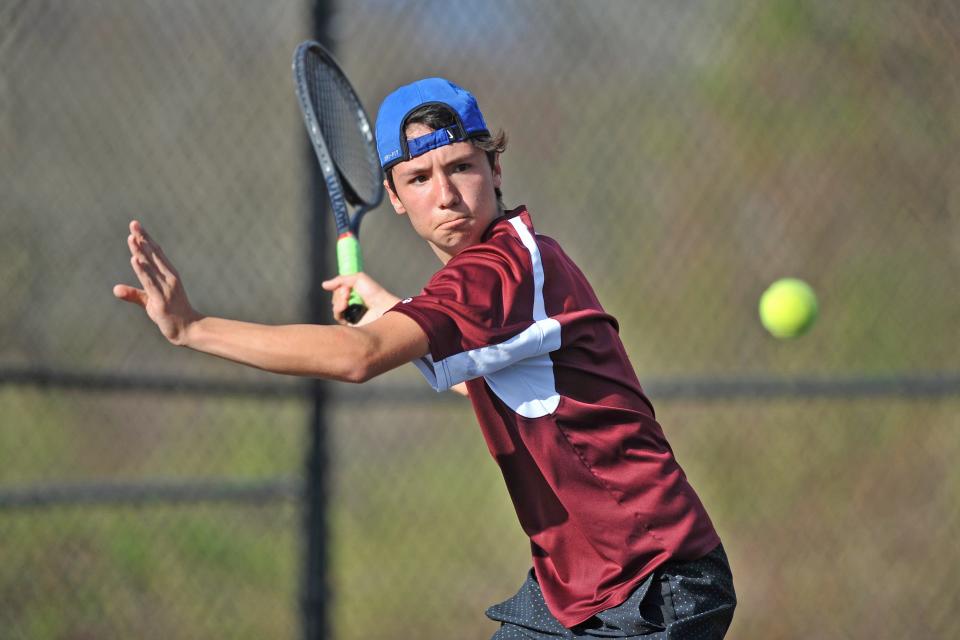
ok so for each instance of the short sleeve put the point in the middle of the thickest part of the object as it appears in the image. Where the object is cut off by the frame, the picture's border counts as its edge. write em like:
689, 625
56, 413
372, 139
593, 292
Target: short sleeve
477, 313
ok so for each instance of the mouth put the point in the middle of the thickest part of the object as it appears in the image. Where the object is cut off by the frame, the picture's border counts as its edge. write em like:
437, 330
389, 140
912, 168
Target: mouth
453, 224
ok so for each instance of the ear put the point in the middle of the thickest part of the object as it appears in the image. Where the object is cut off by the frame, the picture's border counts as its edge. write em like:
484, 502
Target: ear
497, 174
394, 199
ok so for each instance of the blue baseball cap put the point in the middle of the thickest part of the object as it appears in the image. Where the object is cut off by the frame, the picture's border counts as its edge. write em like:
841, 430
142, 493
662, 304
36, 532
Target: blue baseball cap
392, 143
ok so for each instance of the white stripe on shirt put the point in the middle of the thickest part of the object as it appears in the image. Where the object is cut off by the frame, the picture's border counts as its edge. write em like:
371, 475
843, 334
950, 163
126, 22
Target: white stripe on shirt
519, 371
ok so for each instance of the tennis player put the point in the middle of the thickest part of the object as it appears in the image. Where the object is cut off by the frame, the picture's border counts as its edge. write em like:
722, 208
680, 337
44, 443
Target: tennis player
621, 544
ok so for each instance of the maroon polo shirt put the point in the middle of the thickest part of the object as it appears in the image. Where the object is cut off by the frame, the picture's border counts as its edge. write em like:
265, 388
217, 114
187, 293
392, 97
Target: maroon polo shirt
595, 484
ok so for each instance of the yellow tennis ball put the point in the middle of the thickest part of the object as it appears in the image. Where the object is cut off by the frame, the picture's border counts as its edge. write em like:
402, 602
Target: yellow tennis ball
788, 308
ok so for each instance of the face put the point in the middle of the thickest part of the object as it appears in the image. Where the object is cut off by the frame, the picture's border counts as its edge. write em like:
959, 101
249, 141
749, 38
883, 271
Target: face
448, 194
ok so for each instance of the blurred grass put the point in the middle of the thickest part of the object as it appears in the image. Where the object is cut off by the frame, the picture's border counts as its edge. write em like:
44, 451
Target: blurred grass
150, 570
76, 435
845, 499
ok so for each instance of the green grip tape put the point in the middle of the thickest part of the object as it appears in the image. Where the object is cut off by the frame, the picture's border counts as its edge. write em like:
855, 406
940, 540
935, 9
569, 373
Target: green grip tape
355, 299
349, 262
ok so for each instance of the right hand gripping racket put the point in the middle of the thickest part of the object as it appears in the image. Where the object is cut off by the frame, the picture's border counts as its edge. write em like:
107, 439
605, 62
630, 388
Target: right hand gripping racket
343, 140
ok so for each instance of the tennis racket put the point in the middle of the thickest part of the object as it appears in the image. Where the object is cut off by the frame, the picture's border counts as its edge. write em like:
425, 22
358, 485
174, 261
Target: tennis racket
343, 141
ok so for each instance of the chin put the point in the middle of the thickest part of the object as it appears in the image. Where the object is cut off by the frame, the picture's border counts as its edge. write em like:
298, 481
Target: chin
453, 248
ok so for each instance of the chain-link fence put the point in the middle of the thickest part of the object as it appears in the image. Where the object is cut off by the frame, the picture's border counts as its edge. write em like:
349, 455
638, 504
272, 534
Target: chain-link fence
685, 154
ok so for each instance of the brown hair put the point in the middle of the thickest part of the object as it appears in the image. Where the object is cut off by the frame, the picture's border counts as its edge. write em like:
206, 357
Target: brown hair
439, 116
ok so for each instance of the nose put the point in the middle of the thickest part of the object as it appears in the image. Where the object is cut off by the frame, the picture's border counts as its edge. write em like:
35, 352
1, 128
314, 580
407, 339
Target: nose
448, 194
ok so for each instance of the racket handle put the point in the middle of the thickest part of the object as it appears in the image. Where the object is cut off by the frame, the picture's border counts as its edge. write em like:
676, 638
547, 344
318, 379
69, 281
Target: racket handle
349, 262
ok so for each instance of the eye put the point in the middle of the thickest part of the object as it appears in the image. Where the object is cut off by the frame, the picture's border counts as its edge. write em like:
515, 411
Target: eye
463, 166
418, 179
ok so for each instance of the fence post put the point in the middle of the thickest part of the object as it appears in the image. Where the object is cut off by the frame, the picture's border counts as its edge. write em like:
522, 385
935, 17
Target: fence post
316, 588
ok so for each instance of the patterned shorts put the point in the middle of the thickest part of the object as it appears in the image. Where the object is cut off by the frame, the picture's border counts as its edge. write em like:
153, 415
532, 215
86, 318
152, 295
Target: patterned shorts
679, 601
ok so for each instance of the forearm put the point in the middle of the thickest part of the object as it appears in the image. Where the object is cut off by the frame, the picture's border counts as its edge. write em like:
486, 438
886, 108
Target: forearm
349, 353
325, 351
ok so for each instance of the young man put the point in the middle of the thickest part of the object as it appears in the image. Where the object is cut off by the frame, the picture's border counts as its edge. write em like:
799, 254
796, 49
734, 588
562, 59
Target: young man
621, 545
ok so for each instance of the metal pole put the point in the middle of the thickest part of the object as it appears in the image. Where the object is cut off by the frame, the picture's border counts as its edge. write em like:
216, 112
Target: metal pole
316, 589
316, 586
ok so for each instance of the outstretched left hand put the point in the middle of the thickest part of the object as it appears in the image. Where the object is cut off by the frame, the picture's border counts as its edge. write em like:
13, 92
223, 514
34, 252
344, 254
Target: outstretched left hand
162, 296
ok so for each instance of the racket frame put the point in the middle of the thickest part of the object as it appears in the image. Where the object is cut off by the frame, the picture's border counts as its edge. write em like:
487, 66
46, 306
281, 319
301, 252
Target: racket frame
339, 191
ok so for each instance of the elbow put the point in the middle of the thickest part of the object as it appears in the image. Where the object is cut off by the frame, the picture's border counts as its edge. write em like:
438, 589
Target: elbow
360, 365
358, 373
348, 368
363, 356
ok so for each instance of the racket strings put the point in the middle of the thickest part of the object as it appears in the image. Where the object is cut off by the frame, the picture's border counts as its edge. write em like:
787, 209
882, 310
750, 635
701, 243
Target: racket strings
345, 130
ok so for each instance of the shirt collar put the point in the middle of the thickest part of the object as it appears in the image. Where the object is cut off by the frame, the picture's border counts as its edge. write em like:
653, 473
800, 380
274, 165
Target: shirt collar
500, 224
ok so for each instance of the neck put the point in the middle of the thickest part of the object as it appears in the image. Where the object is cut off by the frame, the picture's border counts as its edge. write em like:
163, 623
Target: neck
440, 253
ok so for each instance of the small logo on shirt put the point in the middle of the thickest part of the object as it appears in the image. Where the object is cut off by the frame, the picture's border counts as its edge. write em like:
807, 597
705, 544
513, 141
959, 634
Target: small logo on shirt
406, 300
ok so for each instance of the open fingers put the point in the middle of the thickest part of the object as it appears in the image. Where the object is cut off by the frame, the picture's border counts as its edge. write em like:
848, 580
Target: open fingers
132, 245
164, 263
130, 294
147, 240
156, 257
147, 275
139, 238
142, 255
136, 228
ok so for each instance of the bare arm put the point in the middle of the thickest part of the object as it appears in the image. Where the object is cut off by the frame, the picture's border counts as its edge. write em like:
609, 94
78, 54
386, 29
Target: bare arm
378, 301
353, 354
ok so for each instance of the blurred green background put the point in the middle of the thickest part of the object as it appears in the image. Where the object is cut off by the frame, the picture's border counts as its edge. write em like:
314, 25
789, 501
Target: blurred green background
686, 154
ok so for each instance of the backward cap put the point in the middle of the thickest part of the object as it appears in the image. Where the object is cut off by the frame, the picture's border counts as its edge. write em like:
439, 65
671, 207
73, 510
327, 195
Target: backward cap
392, 144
